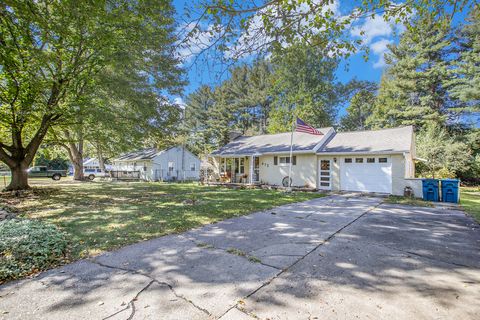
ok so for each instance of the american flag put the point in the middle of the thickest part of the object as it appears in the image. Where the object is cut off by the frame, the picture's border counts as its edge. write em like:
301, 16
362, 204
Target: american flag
303, 127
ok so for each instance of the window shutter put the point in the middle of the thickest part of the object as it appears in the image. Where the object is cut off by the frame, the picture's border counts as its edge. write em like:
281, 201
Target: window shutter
294, 160
275, 160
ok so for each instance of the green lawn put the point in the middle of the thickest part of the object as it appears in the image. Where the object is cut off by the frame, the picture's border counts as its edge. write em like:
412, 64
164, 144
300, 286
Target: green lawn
470, 201
408, 201
101, 216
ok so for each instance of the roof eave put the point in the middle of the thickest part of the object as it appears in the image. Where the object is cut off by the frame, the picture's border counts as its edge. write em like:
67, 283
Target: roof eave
362, 152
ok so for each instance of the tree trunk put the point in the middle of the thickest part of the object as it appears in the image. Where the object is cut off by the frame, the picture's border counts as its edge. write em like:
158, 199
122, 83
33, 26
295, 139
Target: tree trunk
19, 178
77, 160
75, 153
101, 161
18, 158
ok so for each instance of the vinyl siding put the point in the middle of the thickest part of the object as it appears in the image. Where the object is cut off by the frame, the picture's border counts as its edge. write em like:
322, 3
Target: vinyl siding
304, 173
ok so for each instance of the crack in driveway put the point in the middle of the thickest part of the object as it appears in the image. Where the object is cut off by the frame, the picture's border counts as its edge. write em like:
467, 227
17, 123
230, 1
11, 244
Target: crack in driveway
153, 280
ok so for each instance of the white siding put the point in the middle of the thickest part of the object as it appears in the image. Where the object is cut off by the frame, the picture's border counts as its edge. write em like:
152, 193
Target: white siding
182, 160
304, 173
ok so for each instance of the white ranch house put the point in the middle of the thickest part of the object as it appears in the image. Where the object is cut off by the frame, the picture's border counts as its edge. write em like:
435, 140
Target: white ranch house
368, 161
176, 163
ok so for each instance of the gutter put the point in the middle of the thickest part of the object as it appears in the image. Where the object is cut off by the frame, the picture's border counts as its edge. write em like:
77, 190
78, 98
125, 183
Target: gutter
361, 152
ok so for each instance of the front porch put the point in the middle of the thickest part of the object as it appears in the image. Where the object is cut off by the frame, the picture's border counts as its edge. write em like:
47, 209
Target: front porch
237, 170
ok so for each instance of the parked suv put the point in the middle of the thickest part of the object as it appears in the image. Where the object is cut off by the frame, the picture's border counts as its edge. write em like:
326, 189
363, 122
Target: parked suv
41, 171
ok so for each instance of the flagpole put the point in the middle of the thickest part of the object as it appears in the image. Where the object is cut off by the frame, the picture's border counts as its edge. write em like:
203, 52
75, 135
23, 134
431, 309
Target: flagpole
291, 160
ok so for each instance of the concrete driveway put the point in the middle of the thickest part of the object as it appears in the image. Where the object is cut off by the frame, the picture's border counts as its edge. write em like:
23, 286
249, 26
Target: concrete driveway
339, 257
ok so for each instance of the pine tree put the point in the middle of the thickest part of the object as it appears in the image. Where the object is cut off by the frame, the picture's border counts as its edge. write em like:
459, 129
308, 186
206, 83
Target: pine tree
360, 108
465, 84
199, 106
413, 90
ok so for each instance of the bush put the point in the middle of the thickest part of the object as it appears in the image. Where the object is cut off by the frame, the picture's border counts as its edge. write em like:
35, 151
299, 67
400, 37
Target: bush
28, 246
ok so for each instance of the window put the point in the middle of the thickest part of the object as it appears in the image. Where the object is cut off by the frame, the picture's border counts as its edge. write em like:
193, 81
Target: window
286, 160
170, 166
222, 165
348, 160
370, 160
358, 160
193, 166
382, 160
325, 165
240, 165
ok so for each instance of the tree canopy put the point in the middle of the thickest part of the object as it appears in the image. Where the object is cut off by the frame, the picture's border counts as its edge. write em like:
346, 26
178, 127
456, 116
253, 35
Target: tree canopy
55, 53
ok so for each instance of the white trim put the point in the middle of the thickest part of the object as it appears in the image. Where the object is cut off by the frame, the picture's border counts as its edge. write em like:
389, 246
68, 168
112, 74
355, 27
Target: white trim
313, 153
319, 178
361, 153
327, 136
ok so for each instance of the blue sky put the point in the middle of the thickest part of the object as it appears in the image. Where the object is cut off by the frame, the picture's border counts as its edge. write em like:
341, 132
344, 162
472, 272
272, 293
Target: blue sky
377, 35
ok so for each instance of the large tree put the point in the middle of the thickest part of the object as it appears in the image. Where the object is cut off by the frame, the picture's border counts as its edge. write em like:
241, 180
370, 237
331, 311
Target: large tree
358, 111
304, 85
413, 91
445, 155
465, 82
51, 53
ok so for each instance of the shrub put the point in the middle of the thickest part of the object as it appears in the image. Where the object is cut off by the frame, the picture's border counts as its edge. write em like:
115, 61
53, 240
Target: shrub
28, 246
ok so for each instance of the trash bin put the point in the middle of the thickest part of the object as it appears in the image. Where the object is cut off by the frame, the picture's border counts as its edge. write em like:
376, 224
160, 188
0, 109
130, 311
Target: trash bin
450, 190
430, 190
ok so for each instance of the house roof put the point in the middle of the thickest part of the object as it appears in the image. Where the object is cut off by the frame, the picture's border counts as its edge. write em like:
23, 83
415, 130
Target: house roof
385, 140
144, 154
395, 140
272, 143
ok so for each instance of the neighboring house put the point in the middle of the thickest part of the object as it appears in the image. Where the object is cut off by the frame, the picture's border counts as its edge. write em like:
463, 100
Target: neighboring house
368, 161
176, 163
93, 163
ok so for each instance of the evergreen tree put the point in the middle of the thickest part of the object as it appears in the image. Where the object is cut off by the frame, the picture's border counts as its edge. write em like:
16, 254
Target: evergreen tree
259, 92
413, 90
360, 108
198, 110
465, 84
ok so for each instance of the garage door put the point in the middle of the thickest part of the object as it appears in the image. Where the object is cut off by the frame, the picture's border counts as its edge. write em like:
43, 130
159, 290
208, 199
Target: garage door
373, 174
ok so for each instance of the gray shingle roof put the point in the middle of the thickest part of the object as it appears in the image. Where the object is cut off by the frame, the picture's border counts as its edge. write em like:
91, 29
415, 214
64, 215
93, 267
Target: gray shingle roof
271, 143
385, 140
144, 154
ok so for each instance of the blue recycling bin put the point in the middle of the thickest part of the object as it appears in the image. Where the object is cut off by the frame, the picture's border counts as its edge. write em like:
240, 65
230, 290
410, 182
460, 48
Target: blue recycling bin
450, 190
430, 190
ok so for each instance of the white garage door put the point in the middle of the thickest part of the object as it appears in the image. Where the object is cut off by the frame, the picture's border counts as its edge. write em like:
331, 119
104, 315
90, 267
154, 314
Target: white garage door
373, 174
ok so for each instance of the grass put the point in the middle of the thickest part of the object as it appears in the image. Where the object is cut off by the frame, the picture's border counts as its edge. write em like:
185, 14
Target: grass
101, 216
470, 201
408, 201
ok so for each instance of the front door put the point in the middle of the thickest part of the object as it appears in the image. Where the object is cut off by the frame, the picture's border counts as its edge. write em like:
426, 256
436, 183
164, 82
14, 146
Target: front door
324, 174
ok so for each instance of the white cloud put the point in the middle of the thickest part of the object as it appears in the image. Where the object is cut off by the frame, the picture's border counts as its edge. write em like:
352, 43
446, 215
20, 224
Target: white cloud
179, 101
379, 48
376, 32
195, 39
